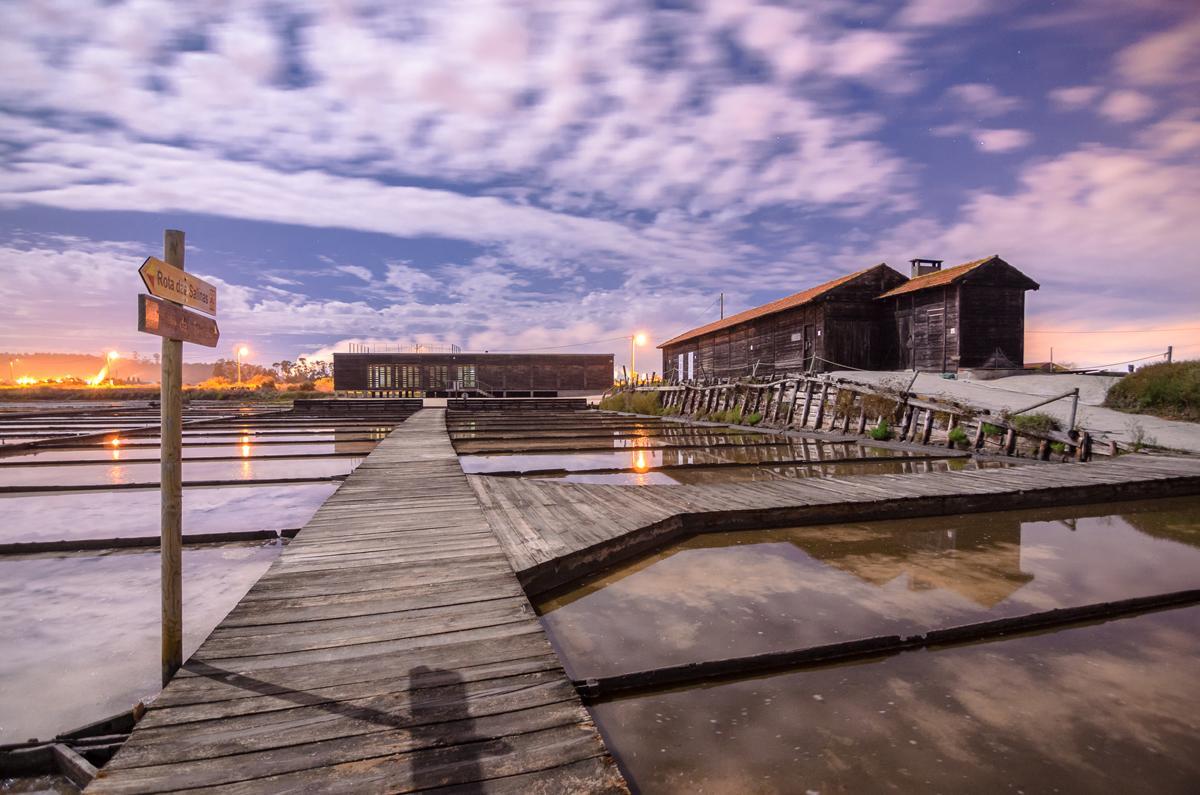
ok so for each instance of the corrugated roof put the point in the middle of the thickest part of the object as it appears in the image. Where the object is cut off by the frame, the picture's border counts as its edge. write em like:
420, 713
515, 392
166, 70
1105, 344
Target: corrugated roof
787, 302
939, 278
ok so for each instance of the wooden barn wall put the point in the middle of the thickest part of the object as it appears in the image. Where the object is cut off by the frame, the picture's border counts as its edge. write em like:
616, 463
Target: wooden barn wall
928, 331
859, 332
495, 371
993, 316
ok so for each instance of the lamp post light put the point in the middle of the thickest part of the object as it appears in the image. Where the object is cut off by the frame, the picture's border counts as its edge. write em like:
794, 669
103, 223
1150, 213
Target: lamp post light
241, 351
112, 365
634, 341
12, 373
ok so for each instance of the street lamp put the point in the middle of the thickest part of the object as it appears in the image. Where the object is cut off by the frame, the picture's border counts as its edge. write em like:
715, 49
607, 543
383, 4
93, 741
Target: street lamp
12, 373
635, 340
241, 351
112, 365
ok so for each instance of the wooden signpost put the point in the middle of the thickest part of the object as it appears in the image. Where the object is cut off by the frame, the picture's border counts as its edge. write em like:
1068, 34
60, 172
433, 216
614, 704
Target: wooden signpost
174, 284
176, 325
168, 320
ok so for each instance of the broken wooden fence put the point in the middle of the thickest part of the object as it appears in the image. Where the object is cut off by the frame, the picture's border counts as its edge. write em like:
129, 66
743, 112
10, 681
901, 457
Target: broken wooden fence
824, 403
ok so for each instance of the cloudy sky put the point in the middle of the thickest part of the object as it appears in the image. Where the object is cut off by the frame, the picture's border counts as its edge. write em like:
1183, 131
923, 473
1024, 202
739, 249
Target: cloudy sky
512, 176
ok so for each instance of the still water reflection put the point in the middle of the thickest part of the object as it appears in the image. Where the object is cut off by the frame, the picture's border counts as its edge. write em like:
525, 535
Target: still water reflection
122, 514
734, 594
1104, 708
81, 632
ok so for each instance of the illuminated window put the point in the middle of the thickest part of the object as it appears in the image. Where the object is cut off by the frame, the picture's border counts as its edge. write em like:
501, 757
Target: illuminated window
466, 374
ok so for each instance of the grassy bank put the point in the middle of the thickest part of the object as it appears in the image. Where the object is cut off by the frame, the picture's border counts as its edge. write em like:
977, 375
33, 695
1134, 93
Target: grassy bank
635, 402
1171, 391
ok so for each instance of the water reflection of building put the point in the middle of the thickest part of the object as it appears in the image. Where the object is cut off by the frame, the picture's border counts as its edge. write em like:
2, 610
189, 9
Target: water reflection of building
976, 557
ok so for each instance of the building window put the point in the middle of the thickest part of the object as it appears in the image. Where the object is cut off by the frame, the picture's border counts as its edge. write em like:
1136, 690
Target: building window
436, 375
410, 376
466, 374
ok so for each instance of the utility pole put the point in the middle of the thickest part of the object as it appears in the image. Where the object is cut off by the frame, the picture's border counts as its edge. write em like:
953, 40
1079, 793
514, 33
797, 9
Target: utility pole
722, 306
1170, 350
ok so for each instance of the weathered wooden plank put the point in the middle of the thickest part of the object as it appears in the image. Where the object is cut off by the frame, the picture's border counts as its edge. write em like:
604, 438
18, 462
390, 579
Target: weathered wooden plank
389, 648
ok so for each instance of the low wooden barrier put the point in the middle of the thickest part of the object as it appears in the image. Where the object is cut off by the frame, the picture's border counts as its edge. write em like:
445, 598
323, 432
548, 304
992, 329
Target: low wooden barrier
825, 403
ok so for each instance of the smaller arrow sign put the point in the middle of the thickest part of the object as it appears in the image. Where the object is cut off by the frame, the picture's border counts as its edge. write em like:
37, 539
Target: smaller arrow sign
167, 281
167, 320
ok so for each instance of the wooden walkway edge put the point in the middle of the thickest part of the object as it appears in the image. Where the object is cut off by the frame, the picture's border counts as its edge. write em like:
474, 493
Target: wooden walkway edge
557, 532
389, 649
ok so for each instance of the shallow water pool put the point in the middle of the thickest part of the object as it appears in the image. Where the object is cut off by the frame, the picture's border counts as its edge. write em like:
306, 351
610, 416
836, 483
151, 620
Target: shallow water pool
81, 632
122, 514
740, 593
1112, 707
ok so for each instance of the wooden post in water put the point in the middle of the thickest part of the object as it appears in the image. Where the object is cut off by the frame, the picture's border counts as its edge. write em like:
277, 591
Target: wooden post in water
171, 479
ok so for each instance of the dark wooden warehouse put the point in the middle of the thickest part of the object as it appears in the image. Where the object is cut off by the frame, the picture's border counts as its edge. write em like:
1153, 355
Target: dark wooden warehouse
969, 316
972, 315
411, 374
839, 321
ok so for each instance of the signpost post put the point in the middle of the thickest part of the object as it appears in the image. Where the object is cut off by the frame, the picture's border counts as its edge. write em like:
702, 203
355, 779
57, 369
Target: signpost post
169, 320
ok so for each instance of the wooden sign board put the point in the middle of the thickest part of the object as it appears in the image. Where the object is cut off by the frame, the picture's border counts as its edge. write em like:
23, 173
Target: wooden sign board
167, 281
167, 320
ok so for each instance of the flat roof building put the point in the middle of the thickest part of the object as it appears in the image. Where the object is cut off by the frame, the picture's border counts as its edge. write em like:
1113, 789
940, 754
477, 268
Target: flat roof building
454, 373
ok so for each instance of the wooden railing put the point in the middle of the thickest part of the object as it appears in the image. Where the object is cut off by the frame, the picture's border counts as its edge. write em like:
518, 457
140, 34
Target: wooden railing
825, 403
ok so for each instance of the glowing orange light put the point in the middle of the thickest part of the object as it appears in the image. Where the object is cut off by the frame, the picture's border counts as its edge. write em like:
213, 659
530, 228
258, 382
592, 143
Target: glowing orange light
639, 338
639, 463
113, 355
115, 442
26, 380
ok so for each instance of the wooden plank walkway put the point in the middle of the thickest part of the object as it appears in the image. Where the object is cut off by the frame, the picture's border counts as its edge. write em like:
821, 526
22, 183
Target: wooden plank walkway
389, 649
554, 532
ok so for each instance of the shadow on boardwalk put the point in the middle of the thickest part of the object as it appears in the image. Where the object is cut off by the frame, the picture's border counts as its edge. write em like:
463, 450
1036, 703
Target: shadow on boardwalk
445, 750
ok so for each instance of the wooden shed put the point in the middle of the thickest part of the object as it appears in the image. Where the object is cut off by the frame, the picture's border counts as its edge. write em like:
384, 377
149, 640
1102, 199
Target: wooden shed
968, 316
831, 326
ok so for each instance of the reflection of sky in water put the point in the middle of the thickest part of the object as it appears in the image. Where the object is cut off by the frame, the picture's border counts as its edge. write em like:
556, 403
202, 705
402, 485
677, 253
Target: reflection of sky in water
1105, 708
50, 517
81, 632
699, 476
230, 448
148, 471
641, 459
734, 594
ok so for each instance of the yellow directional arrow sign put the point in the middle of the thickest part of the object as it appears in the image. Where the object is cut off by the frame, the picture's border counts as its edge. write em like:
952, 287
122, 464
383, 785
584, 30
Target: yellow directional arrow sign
167, 281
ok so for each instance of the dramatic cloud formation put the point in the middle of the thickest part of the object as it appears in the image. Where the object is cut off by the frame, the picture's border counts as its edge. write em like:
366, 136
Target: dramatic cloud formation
509, 176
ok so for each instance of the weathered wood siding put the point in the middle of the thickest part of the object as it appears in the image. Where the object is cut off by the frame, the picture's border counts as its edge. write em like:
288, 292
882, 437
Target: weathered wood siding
927, 327
846, 325
993, 317
494, 372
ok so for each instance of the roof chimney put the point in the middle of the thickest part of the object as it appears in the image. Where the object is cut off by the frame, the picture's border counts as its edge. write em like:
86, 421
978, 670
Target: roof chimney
921, 267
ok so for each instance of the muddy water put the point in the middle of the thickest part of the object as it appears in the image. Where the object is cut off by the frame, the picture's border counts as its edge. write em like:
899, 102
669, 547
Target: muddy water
120, 514
1111, 707
89, 630
735, 594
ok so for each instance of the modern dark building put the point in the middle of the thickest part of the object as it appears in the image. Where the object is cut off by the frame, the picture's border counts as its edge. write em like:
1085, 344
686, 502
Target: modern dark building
453, 374
972, 315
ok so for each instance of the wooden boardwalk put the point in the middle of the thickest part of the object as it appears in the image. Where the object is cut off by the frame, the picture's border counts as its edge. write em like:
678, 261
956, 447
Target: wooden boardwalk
389, 649
554, 532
